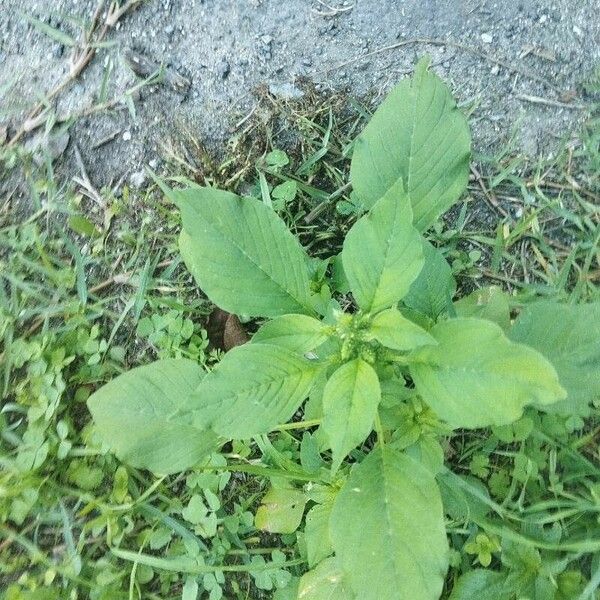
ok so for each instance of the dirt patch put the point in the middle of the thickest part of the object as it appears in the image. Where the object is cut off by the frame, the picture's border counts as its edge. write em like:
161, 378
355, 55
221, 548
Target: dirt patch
514, 65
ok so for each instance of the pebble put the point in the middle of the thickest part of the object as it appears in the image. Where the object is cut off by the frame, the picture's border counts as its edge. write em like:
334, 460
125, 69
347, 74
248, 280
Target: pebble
127, 136
137, 179
486, 38
223, 69
285, 91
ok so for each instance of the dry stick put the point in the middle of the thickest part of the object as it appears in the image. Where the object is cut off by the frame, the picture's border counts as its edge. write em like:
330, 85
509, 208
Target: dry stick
315, 212
547, 102
560, 186
84, 181
439, 42
124, 277
37, 115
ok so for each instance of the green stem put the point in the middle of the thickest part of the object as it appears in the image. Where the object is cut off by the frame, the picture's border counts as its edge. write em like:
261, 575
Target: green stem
298, 425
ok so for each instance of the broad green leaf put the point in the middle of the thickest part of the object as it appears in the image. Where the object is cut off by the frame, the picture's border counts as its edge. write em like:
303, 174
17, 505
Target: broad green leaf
350, 402
281, 510
316, 532
382, 253
387, 529
464, 498
419, 137
190, 589
395, 331
325, 582
432, 291
489, 303
253, 389
241, 253
427, 451
145, 416
481, 584
569, 337
298, 333
477, 377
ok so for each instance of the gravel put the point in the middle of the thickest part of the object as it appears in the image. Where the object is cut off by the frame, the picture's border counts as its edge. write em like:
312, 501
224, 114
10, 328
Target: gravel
226, 48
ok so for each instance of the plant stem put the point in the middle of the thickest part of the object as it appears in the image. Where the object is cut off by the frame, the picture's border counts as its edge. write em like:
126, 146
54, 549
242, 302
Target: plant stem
299, 425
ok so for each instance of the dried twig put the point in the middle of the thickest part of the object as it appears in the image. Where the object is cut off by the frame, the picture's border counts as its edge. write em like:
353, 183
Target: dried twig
548, 102
87, 188
439, 42
332, 11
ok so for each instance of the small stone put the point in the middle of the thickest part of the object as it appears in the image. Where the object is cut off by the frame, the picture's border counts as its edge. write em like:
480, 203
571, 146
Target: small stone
127, 136
137, 179
577, 31
486, 38
285, 91
50, 145
153, 164
223, 69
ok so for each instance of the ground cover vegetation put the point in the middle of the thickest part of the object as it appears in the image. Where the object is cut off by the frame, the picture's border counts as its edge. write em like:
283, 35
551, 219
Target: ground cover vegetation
414, 416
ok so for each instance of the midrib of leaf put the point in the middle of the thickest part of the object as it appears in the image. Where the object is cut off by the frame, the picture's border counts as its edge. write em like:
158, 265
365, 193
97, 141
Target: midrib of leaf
389, 523
388, 244
412, 137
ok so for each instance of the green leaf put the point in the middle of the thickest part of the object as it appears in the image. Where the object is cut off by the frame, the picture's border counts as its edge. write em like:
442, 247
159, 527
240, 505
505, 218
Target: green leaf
316, 533
326, 582
281, 510
252, 390
477, 377
481, 584
569, 337
432, 291
350, 402
145, 416
298, 333
241, 253
489, 303
190, 589
419, 137
395, 331
388, 531
56, 34
382, 253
